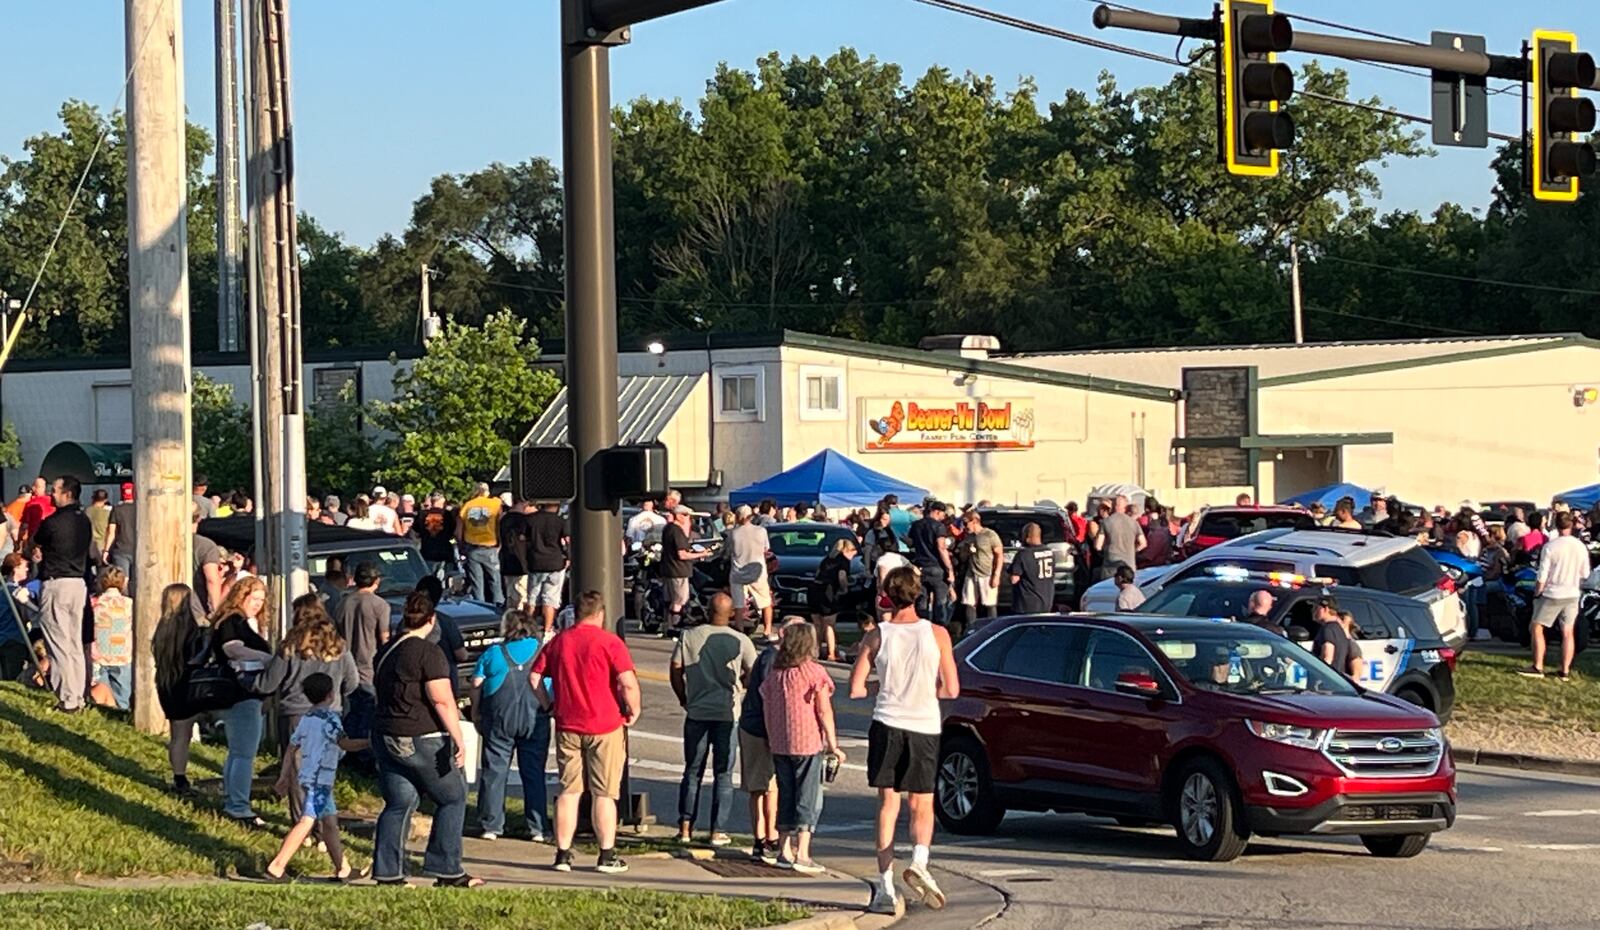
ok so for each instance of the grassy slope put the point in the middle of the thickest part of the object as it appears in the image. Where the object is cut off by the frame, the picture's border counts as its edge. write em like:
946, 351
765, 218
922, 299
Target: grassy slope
1489, 689
86, 794
332, 908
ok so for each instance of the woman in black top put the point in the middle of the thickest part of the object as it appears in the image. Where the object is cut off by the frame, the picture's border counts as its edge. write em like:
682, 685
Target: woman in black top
178, 638
416, 739
828, 593
878, 538
236, 639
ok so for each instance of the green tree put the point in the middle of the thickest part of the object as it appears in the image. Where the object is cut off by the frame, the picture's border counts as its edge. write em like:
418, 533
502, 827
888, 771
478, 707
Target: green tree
458, 411
222, 440
10, 446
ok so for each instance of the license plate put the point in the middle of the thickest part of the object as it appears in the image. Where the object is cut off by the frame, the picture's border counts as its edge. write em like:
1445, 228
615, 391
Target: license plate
798, 597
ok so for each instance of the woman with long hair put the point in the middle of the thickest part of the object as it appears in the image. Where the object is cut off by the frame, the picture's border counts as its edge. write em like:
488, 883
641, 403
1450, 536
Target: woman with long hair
313, 646
179, 638
797, 707
510, 720
830, 589
416, 739
237, 639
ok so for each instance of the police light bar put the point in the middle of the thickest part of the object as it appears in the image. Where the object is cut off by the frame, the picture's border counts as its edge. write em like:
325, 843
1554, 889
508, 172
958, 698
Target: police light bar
1276, 579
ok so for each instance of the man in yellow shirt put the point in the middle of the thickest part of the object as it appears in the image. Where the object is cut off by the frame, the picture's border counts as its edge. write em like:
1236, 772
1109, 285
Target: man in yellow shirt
479, 529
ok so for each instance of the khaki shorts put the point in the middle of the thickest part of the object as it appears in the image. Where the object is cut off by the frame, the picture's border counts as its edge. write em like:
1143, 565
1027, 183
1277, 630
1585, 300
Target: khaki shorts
516, 591
976, 591
758, 591
591, 763
677, 592
755, 764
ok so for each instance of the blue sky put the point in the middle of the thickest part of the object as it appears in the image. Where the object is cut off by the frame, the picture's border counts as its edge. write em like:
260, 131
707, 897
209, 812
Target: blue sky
390, 93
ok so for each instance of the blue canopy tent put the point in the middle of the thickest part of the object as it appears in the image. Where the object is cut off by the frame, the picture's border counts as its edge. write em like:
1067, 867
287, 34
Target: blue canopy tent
1329, 495
829, 479
1581, 498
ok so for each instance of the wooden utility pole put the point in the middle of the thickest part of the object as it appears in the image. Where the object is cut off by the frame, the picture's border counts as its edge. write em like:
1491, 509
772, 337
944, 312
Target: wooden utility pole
275, 266
1294, 292
158, 279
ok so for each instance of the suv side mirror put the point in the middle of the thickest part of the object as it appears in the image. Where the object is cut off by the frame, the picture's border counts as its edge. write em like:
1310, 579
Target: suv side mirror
1138, 684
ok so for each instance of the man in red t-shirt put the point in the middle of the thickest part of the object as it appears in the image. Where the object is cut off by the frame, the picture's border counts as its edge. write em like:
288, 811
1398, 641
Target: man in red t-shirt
39, 506
595, 697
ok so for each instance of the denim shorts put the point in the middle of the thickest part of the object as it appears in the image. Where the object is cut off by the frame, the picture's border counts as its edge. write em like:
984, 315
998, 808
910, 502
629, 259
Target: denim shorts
319, 802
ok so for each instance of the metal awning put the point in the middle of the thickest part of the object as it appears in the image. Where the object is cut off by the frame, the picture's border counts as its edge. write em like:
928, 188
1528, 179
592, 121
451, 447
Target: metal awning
89, 462
646, 404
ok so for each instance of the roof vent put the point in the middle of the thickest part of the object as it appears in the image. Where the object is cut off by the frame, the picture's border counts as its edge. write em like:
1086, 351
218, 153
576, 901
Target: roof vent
975, 347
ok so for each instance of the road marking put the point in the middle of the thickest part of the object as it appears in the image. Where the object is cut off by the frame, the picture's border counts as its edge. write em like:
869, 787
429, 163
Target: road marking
678, 740
1562, 847
976, 841
1007, 873
1451, 847
1586, 812
1473, 817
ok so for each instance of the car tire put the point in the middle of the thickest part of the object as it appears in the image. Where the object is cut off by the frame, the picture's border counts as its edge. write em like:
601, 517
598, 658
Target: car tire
1414, 697
963, 794
1396, 847
1206, 812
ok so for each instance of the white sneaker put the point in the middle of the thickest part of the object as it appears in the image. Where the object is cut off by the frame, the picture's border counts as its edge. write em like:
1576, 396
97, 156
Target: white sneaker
917, 879
491, 837
884, 902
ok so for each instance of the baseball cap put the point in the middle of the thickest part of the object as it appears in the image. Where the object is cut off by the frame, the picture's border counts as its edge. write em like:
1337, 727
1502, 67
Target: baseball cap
408, 498
506, 499
379, 492
743, 511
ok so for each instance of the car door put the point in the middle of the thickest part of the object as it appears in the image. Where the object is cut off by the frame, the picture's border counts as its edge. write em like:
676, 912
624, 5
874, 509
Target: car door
1377, 641
1024, 726
1115, 740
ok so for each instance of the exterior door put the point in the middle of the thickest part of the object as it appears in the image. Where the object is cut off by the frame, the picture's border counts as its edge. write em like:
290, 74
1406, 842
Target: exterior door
1025, 737
1116, 739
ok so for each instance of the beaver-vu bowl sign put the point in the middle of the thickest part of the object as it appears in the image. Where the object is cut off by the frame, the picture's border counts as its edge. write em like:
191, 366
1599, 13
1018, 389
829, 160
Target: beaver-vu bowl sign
898, 424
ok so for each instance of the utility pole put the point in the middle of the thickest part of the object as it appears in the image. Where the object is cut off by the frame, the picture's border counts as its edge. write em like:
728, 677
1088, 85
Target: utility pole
158, 280
228, 238
1294, 292
275, 265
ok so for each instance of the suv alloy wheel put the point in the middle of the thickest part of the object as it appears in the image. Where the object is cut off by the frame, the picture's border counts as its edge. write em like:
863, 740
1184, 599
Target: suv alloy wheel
964, 794
1206, 813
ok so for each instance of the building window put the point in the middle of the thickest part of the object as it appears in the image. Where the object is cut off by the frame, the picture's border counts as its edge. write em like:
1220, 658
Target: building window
821, 393
739, 394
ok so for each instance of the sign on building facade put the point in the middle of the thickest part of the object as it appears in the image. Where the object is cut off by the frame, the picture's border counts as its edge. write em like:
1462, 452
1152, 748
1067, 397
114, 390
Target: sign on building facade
924, 424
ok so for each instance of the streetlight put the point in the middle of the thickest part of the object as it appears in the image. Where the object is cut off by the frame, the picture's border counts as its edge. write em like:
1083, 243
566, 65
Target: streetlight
659, 350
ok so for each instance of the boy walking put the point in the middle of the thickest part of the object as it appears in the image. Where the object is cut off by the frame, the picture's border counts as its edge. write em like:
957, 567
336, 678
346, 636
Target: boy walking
916, 670
319, 741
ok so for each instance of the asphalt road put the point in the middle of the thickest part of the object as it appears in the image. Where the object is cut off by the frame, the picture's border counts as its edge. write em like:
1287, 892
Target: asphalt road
1522, 854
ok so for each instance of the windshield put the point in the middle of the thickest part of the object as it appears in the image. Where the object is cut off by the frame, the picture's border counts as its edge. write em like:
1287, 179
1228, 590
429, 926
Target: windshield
401, 565
1203, 597
1009, 527
1240, 659
1232, 525
818, 542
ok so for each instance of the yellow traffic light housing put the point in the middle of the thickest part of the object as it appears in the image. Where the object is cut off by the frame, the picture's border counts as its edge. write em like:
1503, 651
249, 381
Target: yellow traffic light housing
1560, 156
1254, 87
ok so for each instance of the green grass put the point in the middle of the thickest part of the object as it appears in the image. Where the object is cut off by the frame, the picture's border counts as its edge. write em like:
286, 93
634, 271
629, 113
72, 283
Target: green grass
1488, 688
87, 795
211, 906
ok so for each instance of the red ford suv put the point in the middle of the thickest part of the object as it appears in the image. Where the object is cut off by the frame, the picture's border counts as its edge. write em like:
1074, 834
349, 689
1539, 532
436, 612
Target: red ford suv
1222, 729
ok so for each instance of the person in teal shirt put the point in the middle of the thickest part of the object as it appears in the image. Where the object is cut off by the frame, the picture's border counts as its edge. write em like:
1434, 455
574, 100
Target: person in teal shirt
509, 719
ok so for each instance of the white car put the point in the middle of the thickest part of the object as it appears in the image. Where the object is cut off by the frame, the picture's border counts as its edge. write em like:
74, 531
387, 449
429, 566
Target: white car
1387, 563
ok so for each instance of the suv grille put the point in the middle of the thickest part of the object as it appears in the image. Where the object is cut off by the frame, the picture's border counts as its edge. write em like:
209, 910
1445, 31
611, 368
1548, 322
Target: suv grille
1385, 753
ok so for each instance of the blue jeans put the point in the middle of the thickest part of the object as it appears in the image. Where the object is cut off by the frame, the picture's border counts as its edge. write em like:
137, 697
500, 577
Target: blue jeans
409, 767
1477, 598
242, 723
701, 738
531, 754
935, 601
119, 678
799, 792
483, 573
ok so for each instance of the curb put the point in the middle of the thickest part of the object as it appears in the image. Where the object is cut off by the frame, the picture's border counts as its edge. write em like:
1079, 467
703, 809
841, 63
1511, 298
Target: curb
1523, 761
833, 920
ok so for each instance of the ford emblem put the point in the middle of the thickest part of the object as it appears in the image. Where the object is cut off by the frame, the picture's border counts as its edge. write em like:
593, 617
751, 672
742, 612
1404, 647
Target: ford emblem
1390, 744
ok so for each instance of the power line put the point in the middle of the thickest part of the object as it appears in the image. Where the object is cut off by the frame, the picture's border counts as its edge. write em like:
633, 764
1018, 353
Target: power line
1495, 282
954, 6
1390, 321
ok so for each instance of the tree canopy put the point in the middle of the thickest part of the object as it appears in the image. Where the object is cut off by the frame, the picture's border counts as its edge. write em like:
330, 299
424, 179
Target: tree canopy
841, 196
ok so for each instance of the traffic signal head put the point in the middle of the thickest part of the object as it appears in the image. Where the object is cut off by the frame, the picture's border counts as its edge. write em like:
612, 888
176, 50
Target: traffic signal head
1560, 156
1254, 86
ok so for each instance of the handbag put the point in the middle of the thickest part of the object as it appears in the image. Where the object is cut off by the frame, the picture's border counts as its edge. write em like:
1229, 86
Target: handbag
208, 684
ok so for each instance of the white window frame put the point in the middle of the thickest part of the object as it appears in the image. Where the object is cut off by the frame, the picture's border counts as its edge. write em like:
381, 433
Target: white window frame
721, 375
808, 412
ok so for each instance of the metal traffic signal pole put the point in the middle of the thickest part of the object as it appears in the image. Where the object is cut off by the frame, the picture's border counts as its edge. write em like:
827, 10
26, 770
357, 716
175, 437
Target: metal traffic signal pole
588, 30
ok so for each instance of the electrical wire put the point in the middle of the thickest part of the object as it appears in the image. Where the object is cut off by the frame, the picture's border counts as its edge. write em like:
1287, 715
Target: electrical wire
1494, 282
1390, 321
77, 191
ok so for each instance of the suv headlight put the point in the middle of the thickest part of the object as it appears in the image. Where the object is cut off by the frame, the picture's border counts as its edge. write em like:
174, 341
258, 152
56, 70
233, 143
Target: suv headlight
1299, 737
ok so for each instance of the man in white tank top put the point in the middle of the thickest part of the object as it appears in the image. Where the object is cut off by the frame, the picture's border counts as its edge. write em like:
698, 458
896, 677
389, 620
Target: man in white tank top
915, 670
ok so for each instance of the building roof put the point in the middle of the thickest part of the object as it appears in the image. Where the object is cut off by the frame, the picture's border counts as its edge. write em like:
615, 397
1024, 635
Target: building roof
645, 405
1286, 363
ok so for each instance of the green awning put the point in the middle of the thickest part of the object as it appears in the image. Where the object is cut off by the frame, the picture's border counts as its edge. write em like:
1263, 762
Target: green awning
89, 462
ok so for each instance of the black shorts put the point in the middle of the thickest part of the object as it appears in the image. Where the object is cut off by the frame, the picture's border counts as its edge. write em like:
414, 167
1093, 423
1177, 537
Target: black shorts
901, 760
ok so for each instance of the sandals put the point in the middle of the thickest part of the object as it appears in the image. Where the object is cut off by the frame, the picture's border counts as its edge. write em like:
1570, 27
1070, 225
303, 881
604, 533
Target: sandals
459, 881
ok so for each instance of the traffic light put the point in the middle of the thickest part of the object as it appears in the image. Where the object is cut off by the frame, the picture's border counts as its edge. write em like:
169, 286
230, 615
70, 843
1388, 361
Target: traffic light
1560, 157
1254, 87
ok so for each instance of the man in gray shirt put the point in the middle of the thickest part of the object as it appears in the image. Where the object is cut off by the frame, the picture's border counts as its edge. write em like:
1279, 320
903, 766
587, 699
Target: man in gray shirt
709, 666
748, 545
363, 621
1120, 539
